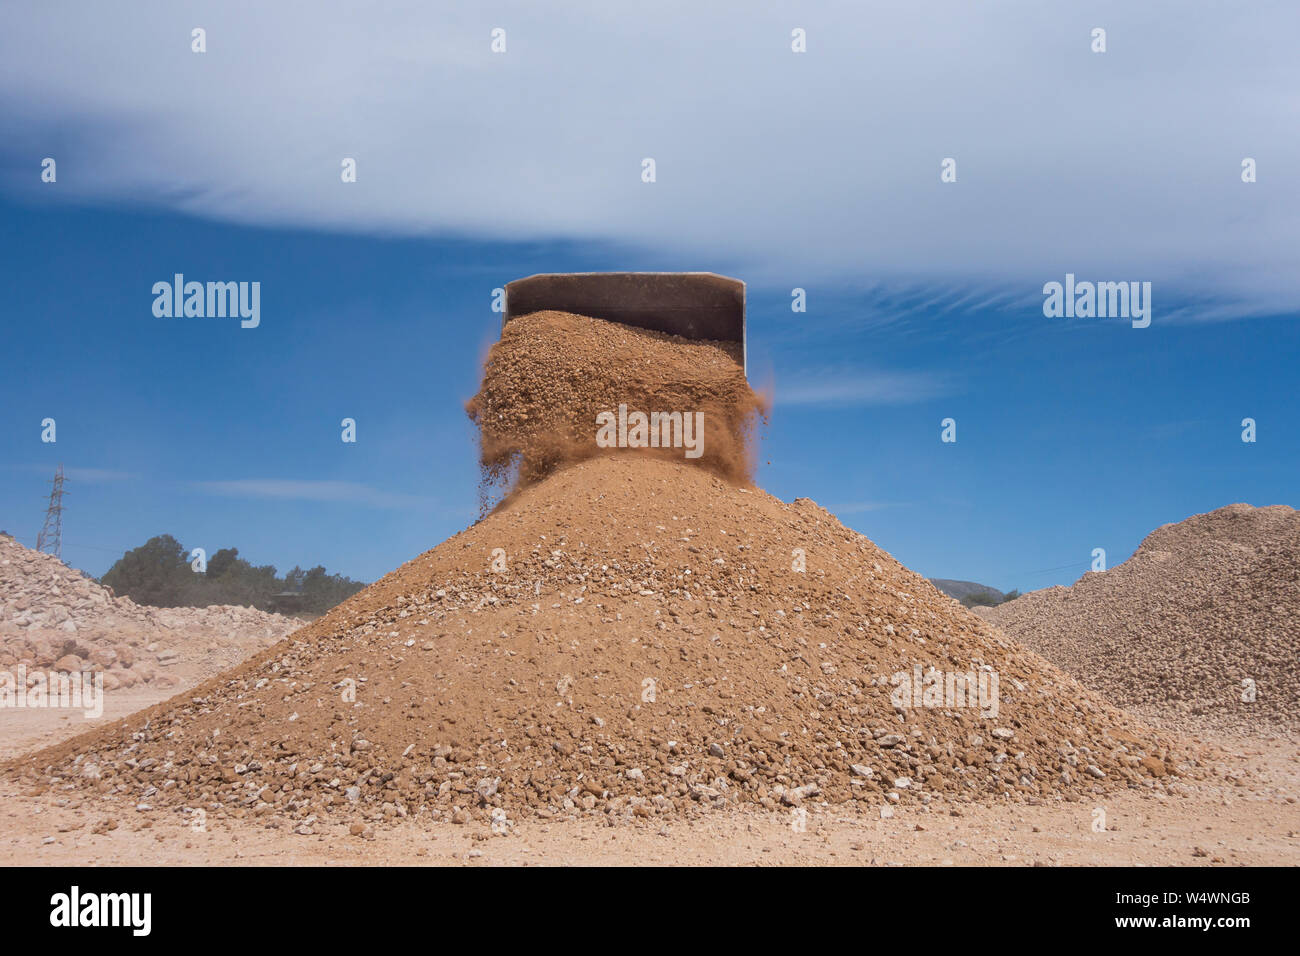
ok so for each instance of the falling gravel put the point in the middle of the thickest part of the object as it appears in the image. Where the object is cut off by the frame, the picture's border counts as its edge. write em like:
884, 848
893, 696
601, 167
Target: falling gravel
553, 373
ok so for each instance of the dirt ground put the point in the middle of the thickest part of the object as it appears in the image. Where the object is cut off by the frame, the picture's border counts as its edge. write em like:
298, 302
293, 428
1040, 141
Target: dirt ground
1248, 816
23, 730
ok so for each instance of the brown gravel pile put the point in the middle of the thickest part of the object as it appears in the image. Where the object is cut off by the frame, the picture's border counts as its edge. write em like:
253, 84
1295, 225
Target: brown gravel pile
55, 618
552, 373
628, 638
1177, 632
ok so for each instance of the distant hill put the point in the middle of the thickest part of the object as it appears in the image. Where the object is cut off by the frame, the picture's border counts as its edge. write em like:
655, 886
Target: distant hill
961, 590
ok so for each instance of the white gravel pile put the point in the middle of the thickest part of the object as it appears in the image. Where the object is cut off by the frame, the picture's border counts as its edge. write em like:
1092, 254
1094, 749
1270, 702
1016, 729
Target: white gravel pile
53, 617
1198, 631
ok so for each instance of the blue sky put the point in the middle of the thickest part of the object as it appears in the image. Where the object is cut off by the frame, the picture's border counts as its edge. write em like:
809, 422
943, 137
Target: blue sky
817, 170
1070, 436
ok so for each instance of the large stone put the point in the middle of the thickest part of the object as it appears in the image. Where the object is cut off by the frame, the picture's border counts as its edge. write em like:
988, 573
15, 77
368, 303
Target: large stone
104, 656
69, 664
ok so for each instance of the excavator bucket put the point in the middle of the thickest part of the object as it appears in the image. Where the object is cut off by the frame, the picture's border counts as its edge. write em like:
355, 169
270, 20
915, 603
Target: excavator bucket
695, 305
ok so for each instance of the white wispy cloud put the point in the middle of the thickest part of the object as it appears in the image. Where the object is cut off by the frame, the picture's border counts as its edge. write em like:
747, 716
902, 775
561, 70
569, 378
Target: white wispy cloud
847, 387
100, 474
342, 492
77, 474
771, 164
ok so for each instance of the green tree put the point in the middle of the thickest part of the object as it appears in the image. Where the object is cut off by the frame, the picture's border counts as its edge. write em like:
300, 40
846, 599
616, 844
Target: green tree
225, 560
156, 573
293, 580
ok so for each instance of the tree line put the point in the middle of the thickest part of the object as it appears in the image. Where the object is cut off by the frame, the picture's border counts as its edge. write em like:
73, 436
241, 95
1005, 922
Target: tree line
985, 599
160, 573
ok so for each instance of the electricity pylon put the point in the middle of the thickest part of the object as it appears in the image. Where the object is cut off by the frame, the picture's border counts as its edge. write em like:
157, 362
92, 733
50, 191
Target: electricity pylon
51, 537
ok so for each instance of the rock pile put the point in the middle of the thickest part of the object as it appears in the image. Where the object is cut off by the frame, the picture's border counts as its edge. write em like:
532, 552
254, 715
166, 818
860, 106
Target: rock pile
1198, 631
55, 618
631, 637
627, 635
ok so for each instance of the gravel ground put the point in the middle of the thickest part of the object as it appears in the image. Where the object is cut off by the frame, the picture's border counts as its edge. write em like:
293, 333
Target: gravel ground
1252, 819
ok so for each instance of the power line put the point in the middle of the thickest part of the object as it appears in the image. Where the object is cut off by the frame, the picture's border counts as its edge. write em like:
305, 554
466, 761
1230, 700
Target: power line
1063, 567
